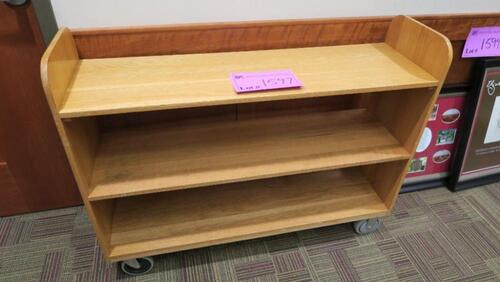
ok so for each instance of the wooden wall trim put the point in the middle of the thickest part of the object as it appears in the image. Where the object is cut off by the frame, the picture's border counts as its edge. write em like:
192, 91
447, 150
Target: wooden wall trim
456, 27
446, 24
240, 36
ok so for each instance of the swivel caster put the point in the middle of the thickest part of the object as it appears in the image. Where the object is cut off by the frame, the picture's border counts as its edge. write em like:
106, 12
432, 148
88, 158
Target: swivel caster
366, 226
137, 266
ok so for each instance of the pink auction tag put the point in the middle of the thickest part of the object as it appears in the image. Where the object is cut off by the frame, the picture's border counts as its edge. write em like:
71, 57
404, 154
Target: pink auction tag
244, 82
482, 42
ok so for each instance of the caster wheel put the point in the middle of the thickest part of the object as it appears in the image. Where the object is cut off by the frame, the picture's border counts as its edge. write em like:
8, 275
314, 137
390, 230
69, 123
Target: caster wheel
137, 266
366, 226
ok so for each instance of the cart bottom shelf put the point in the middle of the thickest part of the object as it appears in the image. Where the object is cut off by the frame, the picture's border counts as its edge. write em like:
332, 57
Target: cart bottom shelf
187, 219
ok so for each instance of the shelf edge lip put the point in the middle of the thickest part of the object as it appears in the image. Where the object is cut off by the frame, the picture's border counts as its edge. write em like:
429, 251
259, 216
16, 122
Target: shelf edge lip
92, 198
164, 250
68, 114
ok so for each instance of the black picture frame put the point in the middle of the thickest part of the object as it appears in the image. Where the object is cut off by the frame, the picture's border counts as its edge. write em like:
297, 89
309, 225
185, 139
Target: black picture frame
454, 183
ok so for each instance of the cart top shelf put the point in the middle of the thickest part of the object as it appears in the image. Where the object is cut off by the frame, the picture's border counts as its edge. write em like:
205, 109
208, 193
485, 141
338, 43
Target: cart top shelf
135, 84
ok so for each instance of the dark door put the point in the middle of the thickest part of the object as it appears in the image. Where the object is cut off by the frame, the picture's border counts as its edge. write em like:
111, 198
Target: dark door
34, 172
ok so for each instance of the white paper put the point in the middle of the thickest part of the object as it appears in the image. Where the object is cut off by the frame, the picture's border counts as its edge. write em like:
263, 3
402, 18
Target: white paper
425, 140
493, 132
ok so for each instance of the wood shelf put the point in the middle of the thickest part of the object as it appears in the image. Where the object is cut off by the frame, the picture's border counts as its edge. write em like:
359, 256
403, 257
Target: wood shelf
186, 219
158, 158
133, 84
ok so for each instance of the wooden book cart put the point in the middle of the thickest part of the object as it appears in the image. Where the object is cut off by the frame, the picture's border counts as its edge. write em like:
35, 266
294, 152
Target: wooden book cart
333, 151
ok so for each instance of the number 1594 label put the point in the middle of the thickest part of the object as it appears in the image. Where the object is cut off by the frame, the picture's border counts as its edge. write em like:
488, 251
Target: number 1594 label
482, 42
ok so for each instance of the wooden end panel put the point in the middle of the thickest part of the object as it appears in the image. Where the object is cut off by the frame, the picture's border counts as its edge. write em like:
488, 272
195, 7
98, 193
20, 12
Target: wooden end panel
79, 136
102, 215
82, 137
424, 46
386, 179
57, 67
433, 52
403, 113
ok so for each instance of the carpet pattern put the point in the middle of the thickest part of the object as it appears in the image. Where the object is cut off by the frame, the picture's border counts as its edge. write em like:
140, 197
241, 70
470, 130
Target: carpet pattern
432, 235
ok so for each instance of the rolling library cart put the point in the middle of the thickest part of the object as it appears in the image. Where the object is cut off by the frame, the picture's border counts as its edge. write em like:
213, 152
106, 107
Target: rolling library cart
270, 166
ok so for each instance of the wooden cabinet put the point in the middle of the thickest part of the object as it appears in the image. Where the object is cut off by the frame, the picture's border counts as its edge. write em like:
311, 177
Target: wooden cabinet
178, 184
11, 201
35, 174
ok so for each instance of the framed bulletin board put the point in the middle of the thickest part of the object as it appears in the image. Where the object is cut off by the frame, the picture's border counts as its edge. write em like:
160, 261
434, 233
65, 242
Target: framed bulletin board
431, 163
478, 152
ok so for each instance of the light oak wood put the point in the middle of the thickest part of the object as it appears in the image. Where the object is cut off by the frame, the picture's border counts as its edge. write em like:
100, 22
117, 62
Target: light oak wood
194, 218
79, 137
158, 158
386, 179
259, 35
422, 45
296, 107
431, 51
405, 114
401, 112
277, 34
58, 67
395, 85
83, 139
119, 85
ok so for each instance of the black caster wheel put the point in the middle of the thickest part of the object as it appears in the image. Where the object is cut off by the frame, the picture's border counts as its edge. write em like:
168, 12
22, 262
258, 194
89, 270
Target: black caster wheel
137, 266
366, 226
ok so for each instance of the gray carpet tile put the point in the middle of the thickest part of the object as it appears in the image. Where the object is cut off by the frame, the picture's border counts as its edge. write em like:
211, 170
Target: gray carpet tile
432, 235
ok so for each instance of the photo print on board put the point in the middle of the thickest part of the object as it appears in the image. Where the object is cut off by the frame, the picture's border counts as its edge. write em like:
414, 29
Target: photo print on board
417, 165
434, 112
450, 116
446, 136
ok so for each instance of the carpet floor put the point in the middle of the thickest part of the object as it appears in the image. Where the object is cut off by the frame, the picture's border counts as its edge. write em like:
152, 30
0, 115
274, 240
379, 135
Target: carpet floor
432, 235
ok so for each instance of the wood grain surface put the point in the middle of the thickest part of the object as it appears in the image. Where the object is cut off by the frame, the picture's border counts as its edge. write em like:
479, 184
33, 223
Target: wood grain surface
180, 157
219, 37
115, 167
133, 84
12, 201
433, 52
29, 140
202, 38
79, 137
201, 217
